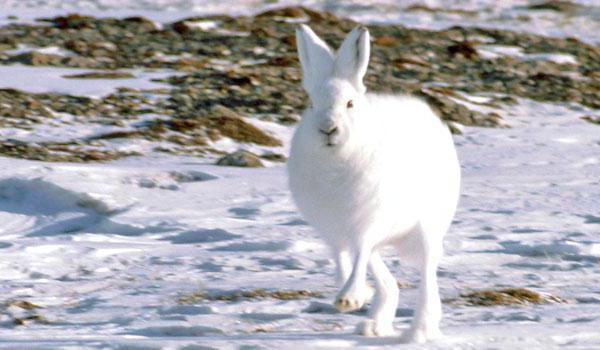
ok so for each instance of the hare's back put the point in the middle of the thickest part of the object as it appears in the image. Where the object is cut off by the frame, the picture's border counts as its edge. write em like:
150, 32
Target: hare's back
409, 124
416, 150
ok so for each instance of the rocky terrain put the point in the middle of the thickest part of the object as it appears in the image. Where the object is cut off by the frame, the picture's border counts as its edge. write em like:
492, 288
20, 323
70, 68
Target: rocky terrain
227, 72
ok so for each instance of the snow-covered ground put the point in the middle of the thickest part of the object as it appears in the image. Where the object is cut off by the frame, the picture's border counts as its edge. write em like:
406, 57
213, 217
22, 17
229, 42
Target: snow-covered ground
54, 80
108, 251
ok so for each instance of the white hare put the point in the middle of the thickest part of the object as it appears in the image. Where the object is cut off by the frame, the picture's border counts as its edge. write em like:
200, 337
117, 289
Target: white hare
369, 171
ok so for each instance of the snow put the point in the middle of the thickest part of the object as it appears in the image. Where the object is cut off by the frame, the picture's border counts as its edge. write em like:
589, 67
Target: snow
107, 250
494, 51
203, 25
31, 78
51, 50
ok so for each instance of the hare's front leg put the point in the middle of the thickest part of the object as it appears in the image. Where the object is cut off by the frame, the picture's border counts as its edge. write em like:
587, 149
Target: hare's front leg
385, 301
343, 266
428, 314
355, 292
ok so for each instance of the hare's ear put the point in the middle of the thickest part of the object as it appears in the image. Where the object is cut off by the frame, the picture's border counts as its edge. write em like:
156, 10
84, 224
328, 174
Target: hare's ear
315, 56
353, 57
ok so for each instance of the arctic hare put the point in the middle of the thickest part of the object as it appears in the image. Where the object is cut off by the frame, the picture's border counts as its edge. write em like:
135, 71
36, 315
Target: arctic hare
369, 171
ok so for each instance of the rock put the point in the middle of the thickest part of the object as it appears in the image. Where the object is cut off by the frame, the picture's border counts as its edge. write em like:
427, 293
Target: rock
35, 58
100, 75
94, 49
5, 47
181, 27
593, 74
290, 12
222, 111
288, 119
79, 46
73, 21
591, 119
274, 157
83, 62
463, 48
282, 61
141, 23
408, 60
241, 158
555, 5
242, 131
115, 135
385, 41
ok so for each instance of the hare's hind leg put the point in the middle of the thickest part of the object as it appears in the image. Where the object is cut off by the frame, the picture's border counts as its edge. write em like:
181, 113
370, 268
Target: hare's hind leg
385, 301
428, 314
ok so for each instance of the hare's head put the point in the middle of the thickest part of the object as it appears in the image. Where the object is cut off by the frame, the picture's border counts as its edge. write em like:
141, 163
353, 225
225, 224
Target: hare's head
334, 82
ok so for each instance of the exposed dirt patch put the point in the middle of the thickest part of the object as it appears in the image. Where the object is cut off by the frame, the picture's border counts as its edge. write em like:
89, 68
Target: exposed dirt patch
256, 294
555, 5
242, 131
59, 152
506, 296
591, 119
101, 75
23, 312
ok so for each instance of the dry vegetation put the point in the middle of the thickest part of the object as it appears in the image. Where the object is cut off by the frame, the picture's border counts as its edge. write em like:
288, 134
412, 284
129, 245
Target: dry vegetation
506, 296
255, 294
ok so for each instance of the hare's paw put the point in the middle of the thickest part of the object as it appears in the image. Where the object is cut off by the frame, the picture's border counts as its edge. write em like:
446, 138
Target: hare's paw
372, 328
351, 300
420, 335
348, 304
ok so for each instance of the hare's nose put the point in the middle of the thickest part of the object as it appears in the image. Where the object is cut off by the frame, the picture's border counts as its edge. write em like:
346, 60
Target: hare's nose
330, 131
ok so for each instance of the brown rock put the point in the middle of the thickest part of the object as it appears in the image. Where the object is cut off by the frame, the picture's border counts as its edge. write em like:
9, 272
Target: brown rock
100, 75
82, 62
181, 27
591, 119
35, 58
292, 12
239, 130
73, 21
274, 157
142, 22
385, 41
463, 48
555, 5
404, 60
241, 158
78, 46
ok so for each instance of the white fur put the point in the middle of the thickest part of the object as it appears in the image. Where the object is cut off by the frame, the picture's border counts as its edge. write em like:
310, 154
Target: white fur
384, 172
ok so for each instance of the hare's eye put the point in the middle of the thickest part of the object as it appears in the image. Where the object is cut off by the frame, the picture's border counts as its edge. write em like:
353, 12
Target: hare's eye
350, 104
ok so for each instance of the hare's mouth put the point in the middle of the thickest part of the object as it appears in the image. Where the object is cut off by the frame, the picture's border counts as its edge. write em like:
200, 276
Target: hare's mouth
330, 136
331, 142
